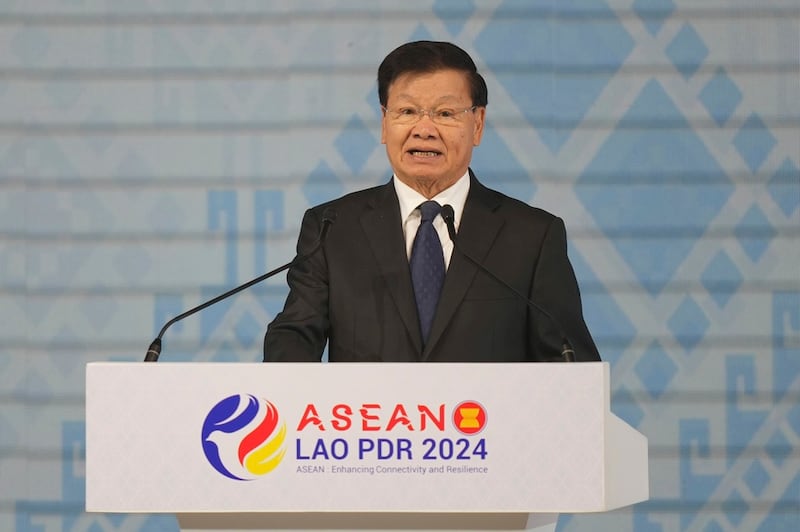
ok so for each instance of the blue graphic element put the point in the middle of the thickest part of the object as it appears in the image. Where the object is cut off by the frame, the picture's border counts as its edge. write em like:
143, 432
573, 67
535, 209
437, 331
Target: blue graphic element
322, 185
248, 330
784, 187
754, 141
269, 212
73, 448
785, 344
793, 418
656, 370
642, 523
498, 167
219, 419
356, 143
526, 53
754, 233
166, 307
166, 216
374, 103
73, 461
743, 420
421, 33
721, 278
611, 328
624, 405
785, 513
757, 478
779, 449
222, 217
654, 13
211, 317
735, 508
721, 96
694, 441
688, 323
653, 181
454, 14
687, 51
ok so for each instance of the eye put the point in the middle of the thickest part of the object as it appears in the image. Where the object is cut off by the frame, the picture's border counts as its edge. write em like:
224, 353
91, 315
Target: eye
445, 113
406, 111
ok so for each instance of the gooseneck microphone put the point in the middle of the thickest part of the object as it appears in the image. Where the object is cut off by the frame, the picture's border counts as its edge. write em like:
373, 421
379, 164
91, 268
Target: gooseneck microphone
567, 353
328, 217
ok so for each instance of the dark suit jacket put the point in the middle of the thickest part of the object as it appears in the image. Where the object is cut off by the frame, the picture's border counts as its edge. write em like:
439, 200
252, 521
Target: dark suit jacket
356, 291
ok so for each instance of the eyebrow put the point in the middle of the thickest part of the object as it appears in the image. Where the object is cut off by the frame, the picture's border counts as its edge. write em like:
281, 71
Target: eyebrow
444, 99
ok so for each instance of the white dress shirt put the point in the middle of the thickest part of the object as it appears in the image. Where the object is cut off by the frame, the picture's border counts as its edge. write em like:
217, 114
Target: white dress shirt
410, 199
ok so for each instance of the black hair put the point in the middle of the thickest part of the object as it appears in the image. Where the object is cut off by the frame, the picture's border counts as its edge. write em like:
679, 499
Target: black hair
426, 57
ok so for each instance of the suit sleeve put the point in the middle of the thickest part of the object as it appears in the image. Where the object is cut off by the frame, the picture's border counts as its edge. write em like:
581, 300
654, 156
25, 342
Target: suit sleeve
555, 288
300, 331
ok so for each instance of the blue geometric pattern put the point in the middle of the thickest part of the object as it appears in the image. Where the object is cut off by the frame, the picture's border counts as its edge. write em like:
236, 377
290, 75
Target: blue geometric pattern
500, 166
754, 142
688, 323
553, 102
687, 51
151, 163
608, 322
633, 189
721, 96
656, 370
757, 478
356, 143
322, 185
784, 187
754, 233
654, 13
454, 14
722, 278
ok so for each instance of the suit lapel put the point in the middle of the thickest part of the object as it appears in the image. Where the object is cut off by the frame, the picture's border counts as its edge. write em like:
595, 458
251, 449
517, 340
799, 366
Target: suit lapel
477, 231
382, 225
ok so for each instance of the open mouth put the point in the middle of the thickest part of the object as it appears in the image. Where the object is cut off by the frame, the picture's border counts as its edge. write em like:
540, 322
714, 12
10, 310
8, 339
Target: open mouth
420, 153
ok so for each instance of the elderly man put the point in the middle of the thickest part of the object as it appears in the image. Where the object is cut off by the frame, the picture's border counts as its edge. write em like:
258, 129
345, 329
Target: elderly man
389, 285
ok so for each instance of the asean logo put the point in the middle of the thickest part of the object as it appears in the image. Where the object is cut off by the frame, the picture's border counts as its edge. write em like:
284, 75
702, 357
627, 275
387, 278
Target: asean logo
243, 437
469, 417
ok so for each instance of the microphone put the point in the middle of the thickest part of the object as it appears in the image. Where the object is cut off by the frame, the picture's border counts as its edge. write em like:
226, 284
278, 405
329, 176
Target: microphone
567, 353
328, 218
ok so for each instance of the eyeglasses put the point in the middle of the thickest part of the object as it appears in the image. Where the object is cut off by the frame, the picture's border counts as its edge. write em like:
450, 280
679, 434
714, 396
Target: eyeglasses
443, 116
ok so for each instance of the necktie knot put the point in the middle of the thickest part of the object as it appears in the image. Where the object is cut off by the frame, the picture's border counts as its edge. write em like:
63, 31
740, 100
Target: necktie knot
429, 210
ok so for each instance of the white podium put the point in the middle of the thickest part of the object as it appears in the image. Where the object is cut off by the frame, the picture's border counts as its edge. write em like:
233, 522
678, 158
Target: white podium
358, 446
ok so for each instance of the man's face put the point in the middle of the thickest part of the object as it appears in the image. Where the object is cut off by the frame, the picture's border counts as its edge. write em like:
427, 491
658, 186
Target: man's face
427, 156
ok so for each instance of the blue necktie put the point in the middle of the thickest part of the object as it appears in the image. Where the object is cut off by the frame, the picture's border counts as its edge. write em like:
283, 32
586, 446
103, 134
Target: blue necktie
427, 267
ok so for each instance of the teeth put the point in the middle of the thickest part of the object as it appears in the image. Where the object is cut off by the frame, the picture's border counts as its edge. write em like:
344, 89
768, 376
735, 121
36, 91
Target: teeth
424, 153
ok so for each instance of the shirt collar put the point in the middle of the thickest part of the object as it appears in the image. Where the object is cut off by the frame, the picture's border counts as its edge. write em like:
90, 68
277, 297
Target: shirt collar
455, 195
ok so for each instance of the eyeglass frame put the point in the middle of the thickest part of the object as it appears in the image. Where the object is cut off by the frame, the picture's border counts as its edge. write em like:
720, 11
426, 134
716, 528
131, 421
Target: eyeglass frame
420, 112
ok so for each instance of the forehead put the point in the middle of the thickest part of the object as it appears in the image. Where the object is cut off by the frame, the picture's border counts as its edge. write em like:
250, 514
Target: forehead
436, 86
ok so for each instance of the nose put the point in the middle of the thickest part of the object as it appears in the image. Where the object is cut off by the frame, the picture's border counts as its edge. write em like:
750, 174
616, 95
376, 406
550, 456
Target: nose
425, 128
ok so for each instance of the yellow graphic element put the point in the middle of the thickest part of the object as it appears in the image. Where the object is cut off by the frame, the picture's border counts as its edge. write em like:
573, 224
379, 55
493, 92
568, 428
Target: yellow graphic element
469, 418
261, 461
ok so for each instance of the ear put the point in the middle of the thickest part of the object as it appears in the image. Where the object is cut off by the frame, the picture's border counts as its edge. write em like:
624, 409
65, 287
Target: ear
383, 126
480, 119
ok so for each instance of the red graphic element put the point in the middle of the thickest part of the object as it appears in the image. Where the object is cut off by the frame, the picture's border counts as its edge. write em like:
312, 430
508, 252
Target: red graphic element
469, 417
260, 433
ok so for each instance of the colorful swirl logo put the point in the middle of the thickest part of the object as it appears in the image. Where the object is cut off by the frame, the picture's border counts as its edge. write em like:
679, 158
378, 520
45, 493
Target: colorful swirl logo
243, 437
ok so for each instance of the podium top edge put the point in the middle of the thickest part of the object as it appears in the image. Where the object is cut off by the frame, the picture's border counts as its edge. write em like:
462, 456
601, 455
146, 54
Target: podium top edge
360, 364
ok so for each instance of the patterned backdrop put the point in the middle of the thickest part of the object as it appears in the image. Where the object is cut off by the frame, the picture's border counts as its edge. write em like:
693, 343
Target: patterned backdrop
157, 152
